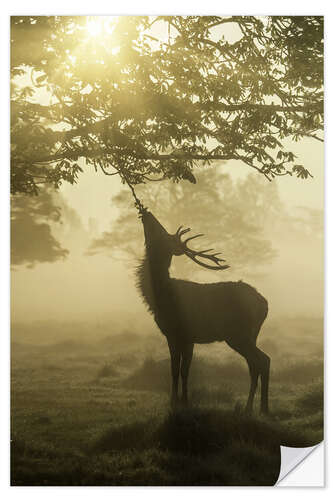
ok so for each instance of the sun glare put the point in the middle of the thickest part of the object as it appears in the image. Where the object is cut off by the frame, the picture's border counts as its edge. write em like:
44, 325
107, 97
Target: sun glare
94, 27
99, 25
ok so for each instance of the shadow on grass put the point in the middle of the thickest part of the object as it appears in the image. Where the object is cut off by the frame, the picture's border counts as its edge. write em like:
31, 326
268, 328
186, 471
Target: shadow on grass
227, 447
200, 431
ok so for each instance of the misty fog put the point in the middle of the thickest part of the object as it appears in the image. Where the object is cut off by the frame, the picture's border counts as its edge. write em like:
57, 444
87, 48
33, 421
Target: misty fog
55, 277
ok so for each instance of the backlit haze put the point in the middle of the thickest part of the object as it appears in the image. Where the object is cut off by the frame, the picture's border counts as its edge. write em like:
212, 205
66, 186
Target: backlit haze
100, 289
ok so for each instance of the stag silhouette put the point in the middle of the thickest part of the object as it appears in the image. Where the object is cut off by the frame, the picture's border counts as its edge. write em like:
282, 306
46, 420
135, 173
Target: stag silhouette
189, 313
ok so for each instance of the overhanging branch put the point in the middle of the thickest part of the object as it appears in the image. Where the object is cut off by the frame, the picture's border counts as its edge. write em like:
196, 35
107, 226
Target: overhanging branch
75, 155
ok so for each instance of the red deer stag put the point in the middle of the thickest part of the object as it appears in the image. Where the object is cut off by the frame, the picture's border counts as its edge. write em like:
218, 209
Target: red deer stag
189, 313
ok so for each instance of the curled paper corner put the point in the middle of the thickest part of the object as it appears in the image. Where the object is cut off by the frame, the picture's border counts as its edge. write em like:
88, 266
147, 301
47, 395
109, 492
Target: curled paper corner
292, 457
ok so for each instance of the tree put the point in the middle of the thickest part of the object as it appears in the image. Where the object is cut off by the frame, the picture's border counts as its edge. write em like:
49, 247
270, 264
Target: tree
152, 98
235, 217
32, 240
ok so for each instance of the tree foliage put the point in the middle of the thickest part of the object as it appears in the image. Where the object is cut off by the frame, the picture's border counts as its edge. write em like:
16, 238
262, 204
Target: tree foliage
32, 239
155, 97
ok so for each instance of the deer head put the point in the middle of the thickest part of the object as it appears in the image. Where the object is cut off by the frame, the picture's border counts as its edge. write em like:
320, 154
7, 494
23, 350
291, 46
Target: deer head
157, 237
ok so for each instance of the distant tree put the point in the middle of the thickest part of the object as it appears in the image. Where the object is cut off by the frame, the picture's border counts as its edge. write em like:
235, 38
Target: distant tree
154, 97
234, 216
32, 240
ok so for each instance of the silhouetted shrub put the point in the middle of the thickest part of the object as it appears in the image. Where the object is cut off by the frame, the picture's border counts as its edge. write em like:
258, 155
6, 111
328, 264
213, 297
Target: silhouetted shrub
107, 370
42, 420
126, 360
137, 435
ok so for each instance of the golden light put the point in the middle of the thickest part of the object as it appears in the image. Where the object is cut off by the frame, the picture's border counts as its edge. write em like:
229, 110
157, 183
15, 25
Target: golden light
94, 26
110, 23
99, 25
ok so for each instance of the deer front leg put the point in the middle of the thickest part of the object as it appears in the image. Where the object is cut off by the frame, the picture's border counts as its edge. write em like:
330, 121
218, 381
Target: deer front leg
175, 366
187, 354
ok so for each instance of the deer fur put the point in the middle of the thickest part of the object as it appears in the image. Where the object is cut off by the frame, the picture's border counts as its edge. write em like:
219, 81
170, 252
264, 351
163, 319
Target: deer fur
189, 313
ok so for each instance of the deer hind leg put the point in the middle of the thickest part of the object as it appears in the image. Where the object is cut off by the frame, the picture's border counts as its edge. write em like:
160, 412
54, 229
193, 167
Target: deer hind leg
260, 363
187, 354
254, 374
265, 362
175, 355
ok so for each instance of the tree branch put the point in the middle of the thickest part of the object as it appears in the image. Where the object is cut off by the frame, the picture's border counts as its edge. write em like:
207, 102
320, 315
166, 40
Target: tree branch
269, 107
116, 135
75, 155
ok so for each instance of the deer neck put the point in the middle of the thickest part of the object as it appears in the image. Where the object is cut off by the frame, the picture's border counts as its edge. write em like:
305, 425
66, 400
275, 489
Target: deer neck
153, 278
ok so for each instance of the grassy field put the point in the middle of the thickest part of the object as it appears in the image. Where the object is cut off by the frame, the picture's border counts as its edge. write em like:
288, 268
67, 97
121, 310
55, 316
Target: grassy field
96, 412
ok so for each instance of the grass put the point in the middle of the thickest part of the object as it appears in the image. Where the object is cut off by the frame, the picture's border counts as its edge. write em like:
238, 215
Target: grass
312, 401
107, 370
98, 414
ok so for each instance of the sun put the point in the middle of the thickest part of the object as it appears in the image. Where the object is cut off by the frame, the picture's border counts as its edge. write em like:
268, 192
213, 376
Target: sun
94, 27
100, 25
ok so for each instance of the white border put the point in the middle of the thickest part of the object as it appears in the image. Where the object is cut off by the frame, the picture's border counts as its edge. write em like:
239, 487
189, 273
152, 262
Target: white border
105, 7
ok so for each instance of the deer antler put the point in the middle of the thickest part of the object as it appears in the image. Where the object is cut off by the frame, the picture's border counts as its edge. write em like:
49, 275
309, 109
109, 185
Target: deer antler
194, 255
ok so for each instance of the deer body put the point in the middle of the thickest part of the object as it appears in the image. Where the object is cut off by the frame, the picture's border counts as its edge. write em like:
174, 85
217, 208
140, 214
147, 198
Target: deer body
189, 313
